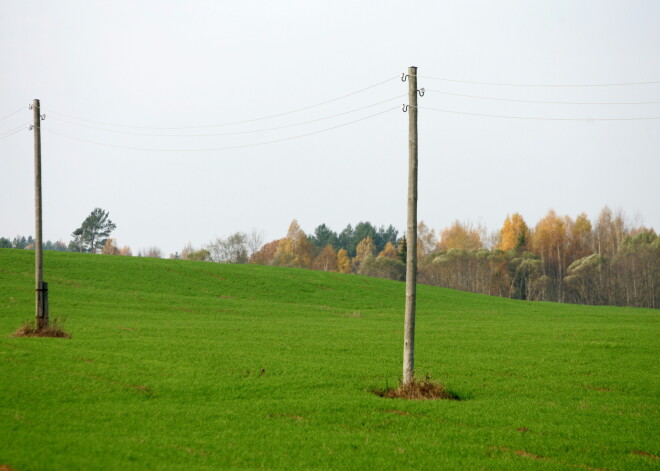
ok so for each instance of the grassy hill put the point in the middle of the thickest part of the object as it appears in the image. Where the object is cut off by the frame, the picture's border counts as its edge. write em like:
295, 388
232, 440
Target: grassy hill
192, 365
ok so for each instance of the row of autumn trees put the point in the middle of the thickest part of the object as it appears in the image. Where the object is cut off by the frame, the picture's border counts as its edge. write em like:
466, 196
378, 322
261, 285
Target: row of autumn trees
365, 249
559, 259
324, 250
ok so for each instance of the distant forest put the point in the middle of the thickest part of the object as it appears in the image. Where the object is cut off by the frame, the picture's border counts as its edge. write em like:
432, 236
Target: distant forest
561, 259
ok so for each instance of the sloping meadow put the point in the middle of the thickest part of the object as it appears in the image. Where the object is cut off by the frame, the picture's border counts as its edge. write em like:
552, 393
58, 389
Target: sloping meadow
192, 365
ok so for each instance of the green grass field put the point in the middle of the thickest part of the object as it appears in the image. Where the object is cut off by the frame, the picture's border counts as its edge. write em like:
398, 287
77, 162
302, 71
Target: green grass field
191, 365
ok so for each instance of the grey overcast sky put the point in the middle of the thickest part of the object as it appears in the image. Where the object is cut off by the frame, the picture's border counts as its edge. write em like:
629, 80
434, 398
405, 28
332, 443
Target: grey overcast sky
184, 66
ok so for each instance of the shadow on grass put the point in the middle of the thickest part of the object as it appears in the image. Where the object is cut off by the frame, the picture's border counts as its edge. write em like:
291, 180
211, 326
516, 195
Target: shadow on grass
415, 389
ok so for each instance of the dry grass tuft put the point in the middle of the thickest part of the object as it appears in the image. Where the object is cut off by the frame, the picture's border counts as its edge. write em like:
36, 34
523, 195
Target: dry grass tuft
424, 389
55, 329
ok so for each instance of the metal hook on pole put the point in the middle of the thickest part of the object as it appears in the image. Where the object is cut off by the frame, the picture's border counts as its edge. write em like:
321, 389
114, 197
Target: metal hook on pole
403, 76
421, 92
404, 108
43, 116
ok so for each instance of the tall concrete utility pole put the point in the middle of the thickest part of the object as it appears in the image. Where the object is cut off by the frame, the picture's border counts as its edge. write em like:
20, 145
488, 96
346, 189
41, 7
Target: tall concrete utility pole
411, 234
41, 288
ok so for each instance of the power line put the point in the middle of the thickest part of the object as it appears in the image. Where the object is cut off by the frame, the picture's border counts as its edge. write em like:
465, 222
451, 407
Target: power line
540, 85
252, 131
537, 118
220, 148
10, 134
22, 108
16, 130
543, 102
228, 123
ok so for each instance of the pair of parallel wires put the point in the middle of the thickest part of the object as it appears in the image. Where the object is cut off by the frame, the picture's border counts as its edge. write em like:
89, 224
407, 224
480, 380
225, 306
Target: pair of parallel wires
15, 130
542, 102
208, 130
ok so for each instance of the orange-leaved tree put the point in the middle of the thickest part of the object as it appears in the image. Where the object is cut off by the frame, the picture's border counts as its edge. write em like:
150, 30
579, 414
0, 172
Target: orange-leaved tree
326, 260
365, 249
343, 261
460, 236
389, 251
514, 234
550, 242
294, 250
580, 237
266, 254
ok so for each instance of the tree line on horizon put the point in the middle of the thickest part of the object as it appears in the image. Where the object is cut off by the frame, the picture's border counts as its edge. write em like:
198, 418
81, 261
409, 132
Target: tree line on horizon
560, 259
93, 236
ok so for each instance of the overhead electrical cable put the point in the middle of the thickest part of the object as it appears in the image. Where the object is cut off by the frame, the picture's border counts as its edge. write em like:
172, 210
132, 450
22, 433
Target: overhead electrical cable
22, 108
16, 130
5, 136
544, 102
537, 118
227, 123
231, 133
119, 146
502, 84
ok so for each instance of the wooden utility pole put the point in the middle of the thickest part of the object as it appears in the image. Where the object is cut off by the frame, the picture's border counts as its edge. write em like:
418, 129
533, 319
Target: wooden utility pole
41, 288
411, 234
